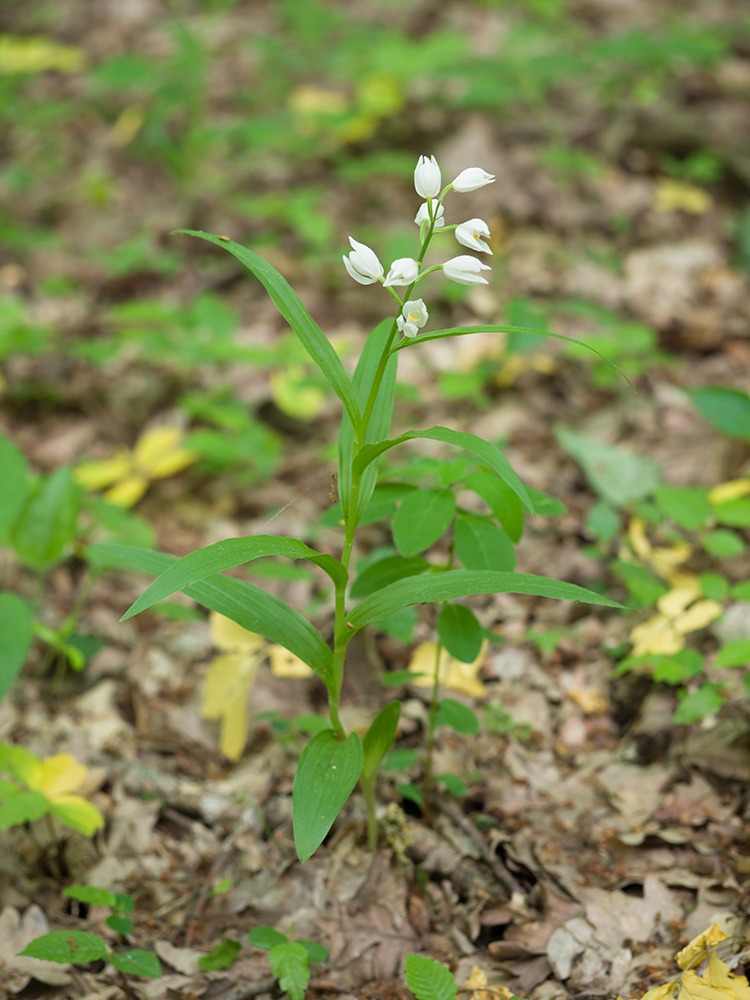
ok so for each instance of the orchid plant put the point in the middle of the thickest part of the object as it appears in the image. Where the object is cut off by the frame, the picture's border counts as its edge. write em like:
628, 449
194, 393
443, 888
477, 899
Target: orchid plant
333, 761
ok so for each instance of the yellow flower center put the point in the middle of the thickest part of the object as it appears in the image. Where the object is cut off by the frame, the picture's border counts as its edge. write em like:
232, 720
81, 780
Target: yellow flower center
412, 317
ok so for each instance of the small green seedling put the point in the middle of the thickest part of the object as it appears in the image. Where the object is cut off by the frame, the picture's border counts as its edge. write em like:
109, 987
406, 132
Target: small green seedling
80, 947
119, 902
429, 979
290, 960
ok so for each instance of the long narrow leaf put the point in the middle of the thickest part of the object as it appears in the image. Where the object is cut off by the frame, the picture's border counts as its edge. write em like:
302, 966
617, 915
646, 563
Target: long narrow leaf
461, 583
225, 555
250, 607
488, 453
461, 331
294, 312
380, 420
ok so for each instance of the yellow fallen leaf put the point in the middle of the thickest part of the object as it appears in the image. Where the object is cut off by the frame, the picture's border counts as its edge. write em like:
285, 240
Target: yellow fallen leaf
453, 673
293, 394
312, 100
664, 560
286, 664
665, 632
36, 53
732, 490
477, 982
159, 452
638, 540
589, 700
517, 364
706, 939
695, 987
128, 492
55, 778
129, 123
225, 693
679, 196
660, 992
718, 975
228, 635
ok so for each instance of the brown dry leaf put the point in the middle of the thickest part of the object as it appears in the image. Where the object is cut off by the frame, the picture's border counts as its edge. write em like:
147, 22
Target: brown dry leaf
16, 932
477, 984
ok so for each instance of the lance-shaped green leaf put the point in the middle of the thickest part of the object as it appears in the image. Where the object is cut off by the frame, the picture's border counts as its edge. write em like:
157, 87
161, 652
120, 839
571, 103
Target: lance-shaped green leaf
386, 571
16, 632
462, 331
501, 500
327, 772
482, 544
231, 552
379, 739
487, 452
461, 583
294, 312
460, 632
380, 419
47, 522
249, 606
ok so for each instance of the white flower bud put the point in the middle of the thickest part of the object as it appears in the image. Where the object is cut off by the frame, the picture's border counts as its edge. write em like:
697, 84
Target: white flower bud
423, 215
363, 264
427, 177
471, 179
403, 272
469, 235
465, 270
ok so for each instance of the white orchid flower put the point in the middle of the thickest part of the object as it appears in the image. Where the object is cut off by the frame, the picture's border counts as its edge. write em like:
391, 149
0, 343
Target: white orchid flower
413, 317
403, 272
427, 177
465, 270
423, 215
471, 179
470, 233
363, 264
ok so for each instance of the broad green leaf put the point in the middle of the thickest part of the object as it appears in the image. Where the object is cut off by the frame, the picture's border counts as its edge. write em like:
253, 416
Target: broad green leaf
223, 956
714, 586
422, 518
677, 669
66, 946
265, 938
90, 894
501, 500
327, 772
619, 476
723, 543
452, 713
399, 760
428, 979
461, 583
380, 419
136, 962
741, 591
21, 807
315, 952
231, 552
735, 513
13, 472
687, 506
47, 522
463, 331
16, 633
488, 453
453, 784
124, 902
294, 312
460, 632
727, 409
734, 654
640, 581
482, 544
75, 811
412, 793
706, 700
289, 963
603, 522
545, 505
119, 924
252, 608
379, 739
386, 571
400, 625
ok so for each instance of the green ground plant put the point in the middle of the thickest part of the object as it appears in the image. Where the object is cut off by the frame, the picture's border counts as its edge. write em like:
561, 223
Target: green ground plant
333, 761
289, 959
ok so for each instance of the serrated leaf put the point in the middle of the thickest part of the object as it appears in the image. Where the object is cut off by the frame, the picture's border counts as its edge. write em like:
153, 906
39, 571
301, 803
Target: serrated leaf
230, 552
428, 979
460, 632
482, 544
327, 772
462, 583
459, 717
265, 938
252, 608
379, 739
137, 963
289, 962
17, 631
66, 946
223, 956
422, 518
289, 304
90, 894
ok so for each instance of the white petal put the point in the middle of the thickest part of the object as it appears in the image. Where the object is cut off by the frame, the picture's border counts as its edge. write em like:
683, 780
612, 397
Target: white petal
402, 272
361, 278
471, 179
427, 177
365, 260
